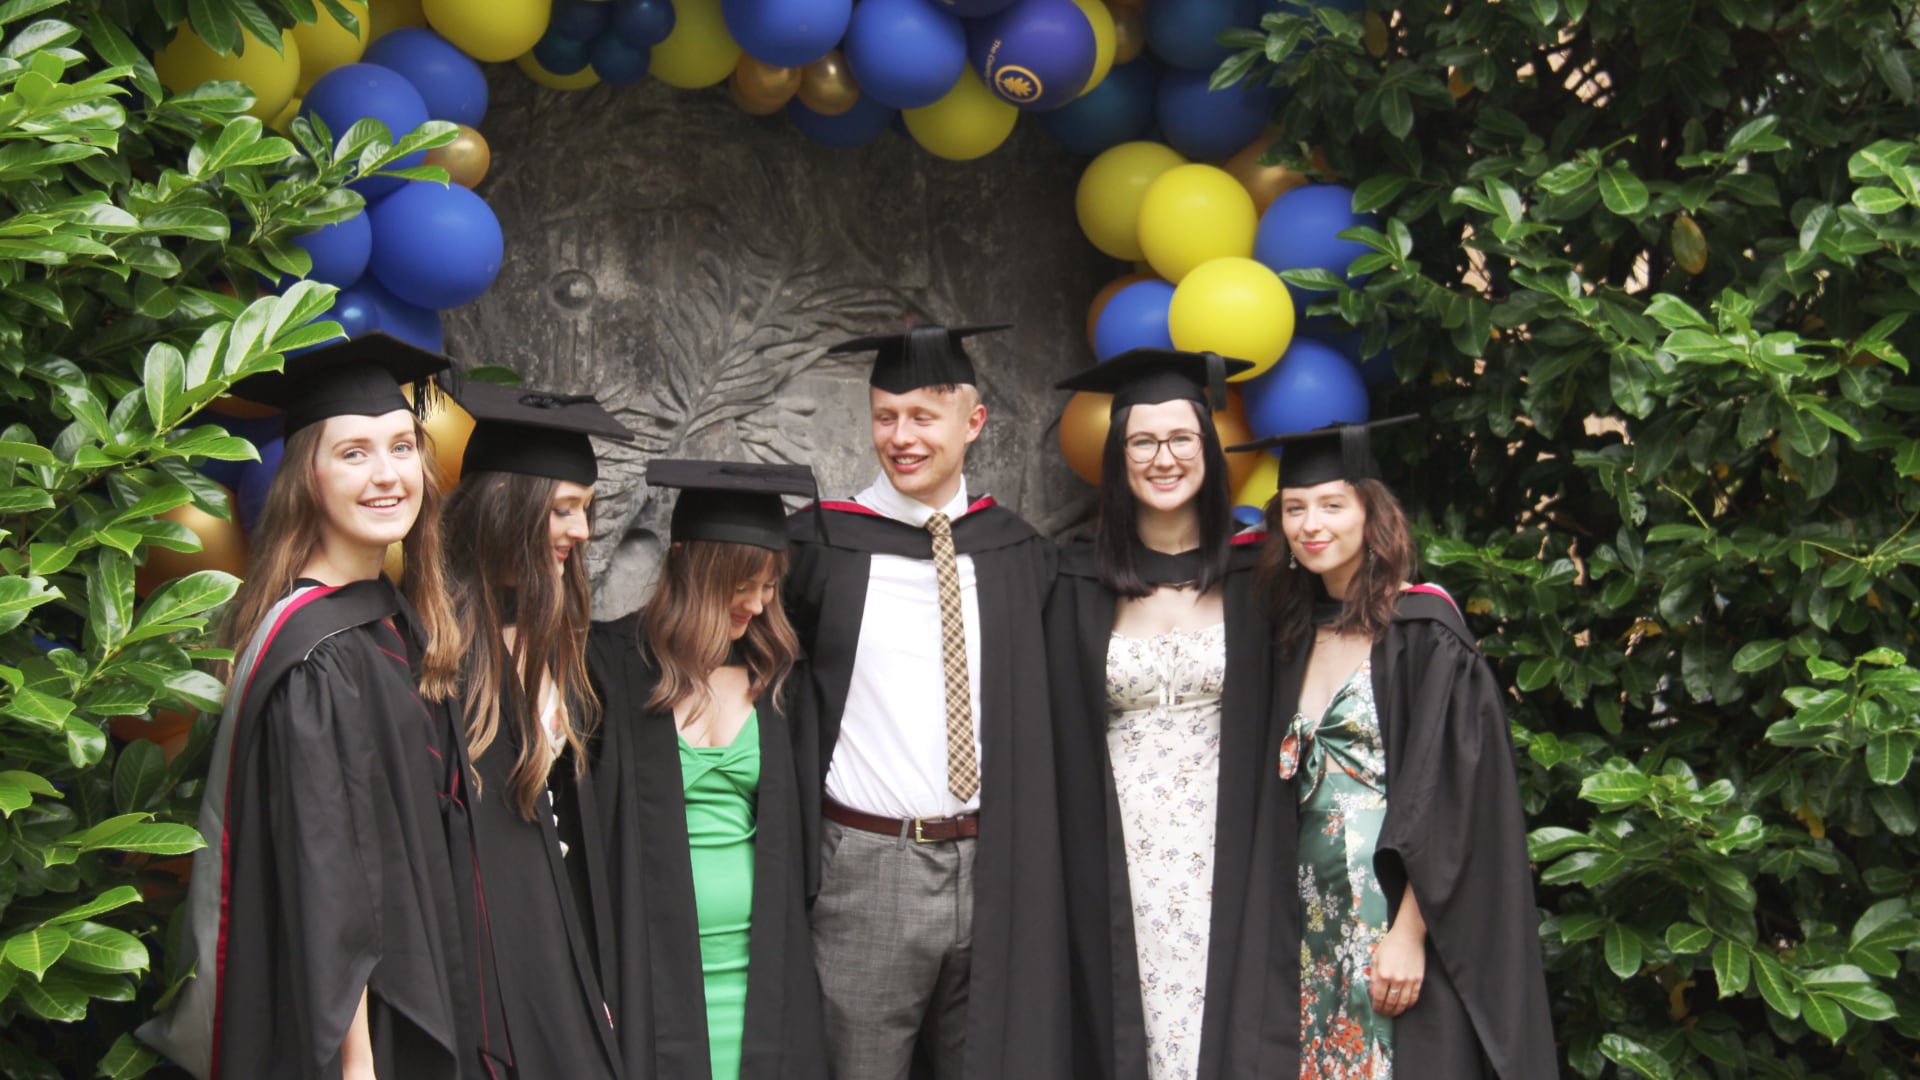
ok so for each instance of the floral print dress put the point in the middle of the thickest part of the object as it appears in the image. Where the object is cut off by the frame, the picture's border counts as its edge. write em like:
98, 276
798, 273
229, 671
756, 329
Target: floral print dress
1163, 739
1342, 767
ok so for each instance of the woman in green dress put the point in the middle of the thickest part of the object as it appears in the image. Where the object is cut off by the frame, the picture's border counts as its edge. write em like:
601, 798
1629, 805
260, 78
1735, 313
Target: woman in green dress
701, 800
1419, 935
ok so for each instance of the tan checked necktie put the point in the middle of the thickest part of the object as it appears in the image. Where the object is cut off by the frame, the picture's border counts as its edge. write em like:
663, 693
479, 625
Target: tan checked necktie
963, 772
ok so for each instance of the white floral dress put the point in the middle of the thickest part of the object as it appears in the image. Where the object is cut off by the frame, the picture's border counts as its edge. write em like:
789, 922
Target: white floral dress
1163, 739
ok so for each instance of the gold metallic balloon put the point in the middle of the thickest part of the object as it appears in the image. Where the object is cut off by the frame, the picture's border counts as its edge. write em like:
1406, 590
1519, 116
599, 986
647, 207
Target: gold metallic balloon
466, 158
1264, 182
765, 87
827, 86
448, 428
223, 546
1129, 33
1083, 433
394, 563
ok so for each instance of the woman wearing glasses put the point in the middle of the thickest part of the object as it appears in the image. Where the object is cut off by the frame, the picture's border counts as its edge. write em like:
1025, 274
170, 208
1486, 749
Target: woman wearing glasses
1176, 826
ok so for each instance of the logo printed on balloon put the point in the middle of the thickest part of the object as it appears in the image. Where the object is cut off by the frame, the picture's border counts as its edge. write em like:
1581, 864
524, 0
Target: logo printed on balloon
1017, 84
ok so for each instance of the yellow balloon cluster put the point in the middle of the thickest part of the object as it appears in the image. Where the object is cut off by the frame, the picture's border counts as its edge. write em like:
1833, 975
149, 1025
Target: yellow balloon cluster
325, 44
273, 76
700, 51
495, 30
969, 122
1108, 199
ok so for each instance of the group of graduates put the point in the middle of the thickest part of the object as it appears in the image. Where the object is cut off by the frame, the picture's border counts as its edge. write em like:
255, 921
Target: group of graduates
888, 787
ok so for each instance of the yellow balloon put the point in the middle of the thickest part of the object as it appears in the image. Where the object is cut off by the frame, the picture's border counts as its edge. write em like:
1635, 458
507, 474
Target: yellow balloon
579, 80
186, 62
700, 51
969, 122
494, 30
1101, 19
391, 15
466, 158
1235, 307
281, 122
325, 44
1263, 485
1083, 433
1107, 201
1191, 214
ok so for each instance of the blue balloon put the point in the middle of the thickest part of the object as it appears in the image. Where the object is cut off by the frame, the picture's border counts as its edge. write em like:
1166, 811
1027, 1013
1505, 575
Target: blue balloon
1134, 318
339, 250
354, 92
355, 309
1248, 517
859, 125
560, 54
1375, 369
1301, 231
975, 9
435, 245
1305, 7
643, 23
616, 62
413, 325
786, 33
578, 19
1036, 55
452, 85
905, 53
250, 494
1312, 386
1207, 125
1119, 110
1185, 34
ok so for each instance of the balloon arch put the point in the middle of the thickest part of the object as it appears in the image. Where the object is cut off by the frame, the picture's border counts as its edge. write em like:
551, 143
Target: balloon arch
1175, 185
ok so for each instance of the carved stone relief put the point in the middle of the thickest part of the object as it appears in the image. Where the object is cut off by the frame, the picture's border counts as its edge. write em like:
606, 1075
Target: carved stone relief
690, 264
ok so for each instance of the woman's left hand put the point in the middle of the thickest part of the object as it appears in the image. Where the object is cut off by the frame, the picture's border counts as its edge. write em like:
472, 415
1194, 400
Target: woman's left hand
1399, 969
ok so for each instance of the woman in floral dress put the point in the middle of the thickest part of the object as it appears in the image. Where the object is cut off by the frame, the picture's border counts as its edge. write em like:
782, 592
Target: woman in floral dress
1419, 936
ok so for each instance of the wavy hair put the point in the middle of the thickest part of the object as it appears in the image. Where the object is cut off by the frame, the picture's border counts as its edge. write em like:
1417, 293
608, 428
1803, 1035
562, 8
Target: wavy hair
1116, 540
684, 627
499, 561
289, 534
1389, 560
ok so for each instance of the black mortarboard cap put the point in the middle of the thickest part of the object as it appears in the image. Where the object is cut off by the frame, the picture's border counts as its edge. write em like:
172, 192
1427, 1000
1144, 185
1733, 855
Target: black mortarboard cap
518, 430
1151, 376
360, 376
733, 502
922, 356
1334, 452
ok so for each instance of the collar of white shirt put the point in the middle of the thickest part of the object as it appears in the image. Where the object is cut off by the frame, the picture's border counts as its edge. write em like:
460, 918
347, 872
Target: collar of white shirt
887, 500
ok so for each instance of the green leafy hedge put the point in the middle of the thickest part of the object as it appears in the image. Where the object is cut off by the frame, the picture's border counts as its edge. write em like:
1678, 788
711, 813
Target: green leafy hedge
1648, 268
128, 220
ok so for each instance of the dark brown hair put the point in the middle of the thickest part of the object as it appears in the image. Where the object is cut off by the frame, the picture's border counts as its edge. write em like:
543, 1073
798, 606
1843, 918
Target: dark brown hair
684, 627
500, 562
289, 534
1387, 562
1117, 540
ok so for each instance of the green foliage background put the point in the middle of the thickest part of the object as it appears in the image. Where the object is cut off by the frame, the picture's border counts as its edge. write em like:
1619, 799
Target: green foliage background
1648, 267
122, 212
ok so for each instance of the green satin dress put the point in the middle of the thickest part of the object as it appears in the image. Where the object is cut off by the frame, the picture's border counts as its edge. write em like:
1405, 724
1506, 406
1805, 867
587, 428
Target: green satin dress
722, 787
1341, 761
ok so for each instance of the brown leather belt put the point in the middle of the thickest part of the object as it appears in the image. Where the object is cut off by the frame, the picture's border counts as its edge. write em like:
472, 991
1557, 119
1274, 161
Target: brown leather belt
925, 830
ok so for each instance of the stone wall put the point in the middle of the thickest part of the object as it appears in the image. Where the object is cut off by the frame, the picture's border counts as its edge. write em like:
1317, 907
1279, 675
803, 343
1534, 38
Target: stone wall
690, 264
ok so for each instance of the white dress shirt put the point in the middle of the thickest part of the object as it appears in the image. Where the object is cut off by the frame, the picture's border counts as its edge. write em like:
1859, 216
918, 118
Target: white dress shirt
891, 758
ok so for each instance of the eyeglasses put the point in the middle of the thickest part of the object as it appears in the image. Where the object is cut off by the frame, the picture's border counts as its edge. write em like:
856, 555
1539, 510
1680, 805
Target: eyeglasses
1183, 445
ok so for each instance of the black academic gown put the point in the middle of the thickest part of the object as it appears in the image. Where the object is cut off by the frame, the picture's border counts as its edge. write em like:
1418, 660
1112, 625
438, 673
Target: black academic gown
1017, 1010
659, 1010
1255, 808
333, 817
1454, 828
546, 917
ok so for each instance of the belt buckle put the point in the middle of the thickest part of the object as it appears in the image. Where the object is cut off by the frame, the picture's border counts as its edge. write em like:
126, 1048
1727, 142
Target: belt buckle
918, 836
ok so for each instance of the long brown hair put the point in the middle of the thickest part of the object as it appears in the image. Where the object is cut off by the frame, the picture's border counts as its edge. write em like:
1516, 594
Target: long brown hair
499, 562
684, 627
289, 534
1368, 607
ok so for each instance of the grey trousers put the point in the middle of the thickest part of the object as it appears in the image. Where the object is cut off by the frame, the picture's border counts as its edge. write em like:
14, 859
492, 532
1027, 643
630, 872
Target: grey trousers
893, 939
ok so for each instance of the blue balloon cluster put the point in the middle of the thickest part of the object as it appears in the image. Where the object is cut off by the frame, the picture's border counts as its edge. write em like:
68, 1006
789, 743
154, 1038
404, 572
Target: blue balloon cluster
615, 39
450, 83
351, 93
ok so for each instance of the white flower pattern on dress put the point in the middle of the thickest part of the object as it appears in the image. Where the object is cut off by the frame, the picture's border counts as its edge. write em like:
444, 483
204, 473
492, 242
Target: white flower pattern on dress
1163, 740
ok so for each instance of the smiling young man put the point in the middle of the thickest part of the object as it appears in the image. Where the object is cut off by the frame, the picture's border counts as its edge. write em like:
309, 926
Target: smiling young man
938, 908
